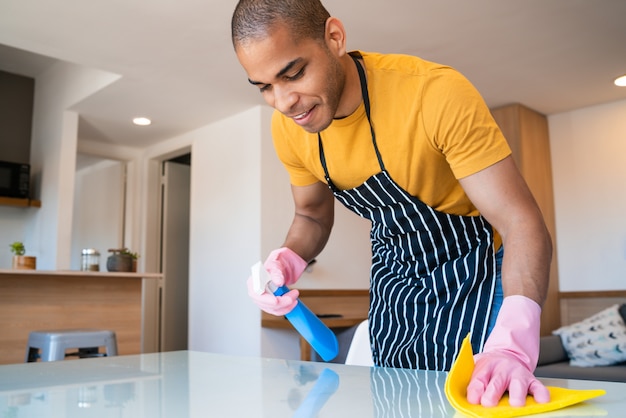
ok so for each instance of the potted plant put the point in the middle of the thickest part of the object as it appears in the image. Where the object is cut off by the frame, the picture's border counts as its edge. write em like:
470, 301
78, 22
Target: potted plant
21, 261
122, 259
132, 255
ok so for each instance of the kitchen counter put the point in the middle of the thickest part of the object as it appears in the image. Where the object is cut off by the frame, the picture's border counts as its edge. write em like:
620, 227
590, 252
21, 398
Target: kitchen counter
32, 300
8, 273
183, 384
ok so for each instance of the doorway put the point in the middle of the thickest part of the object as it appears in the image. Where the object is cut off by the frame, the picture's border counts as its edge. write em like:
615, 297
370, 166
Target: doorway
174, 253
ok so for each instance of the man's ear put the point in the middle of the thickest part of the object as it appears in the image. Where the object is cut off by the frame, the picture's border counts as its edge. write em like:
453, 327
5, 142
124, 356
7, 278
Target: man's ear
335, 36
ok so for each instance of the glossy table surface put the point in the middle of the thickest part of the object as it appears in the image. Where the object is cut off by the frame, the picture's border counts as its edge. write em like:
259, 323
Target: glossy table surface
194, 384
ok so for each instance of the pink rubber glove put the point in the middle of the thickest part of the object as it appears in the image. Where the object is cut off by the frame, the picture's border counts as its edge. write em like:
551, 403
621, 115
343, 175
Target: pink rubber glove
284, 267
275, 305
509, 357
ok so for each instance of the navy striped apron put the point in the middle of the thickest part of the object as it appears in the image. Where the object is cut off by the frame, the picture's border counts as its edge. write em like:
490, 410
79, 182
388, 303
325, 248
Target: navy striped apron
432, 275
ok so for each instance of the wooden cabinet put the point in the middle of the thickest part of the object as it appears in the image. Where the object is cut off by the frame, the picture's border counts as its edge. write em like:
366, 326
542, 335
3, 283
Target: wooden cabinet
527, 133
32, 300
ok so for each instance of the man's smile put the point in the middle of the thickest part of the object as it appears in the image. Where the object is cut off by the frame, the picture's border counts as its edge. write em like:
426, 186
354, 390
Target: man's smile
305, 117
302, 115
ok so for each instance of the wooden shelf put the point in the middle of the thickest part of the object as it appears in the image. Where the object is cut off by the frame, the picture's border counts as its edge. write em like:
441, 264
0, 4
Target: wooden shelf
24, 203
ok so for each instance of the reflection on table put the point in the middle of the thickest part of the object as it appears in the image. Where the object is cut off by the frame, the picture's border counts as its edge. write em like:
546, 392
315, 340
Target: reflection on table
192, 384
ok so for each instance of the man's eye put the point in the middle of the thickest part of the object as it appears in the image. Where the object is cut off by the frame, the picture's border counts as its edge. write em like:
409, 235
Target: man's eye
265, 88
296, 75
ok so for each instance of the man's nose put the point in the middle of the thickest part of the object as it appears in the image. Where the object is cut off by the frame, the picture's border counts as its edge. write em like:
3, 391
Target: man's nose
284, 99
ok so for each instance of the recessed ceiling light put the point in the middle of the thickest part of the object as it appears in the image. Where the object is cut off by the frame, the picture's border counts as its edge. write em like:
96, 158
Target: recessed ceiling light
620, 81
142, 121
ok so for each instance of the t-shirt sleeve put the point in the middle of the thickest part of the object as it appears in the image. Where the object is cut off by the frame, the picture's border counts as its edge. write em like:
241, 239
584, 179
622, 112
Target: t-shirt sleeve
299, 175
460, 124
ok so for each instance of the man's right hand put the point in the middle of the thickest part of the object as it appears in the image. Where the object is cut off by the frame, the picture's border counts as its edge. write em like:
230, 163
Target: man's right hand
284, 267
275, 305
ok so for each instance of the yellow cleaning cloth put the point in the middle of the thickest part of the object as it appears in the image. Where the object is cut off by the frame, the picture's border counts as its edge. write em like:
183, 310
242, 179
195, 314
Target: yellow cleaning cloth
461, 373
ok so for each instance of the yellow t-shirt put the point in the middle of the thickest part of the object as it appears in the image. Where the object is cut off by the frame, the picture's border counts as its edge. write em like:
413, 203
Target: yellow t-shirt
431, 125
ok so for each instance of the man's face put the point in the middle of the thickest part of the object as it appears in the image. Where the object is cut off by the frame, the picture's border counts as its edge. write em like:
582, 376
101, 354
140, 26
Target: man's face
303, 80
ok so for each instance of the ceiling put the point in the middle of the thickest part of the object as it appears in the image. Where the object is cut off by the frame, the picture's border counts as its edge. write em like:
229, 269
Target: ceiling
178, 67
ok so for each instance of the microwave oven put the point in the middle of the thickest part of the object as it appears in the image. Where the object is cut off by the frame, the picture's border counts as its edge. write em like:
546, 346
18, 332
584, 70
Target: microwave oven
14, 180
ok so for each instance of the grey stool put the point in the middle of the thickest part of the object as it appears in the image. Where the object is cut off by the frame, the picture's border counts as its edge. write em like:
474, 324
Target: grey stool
53, 344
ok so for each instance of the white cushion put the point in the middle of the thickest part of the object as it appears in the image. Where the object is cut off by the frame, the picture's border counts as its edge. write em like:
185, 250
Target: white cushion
599, 340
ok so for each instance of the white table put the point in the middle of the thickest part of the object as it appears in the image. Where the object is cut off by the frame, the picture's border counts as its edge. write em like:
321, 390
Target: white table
193, 384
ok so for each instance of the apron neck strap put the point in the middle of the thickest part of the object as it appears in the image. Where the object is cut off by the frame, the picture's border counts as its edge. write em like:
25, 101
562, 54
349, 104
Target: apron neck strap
366, 102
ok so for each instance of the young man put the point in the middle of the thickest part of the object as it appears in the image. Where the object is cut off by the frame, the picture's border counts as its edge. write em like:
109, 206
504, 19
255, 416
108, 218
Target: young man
411, 146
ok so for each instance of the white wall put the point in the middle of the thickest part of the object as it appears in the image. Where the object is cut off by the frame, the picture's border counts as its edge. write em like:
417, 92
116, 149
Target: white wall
98, 212
14, 227
135, 185
225, 235
53, 158
588, 149
46, 231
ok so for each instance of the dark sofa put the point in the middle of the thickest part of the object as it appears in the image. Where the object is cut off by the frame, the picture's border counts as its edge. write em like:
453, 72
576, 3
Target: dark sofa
553, 362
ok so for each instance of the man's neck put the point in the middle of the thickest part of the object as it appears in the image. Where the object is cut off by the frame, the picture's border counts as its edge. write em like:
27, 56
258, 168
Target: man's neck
351, 97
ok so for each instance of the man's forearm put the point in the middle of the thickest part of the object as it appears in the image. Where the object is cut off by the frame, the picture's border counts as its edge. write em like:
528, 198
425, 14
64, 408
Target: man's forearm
312, 221
526, 263
307, 236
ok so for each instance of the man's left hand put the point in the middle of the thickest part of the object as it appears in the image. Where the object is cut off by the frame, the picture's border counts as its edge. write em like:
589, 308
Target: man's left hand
509, 357
498, 372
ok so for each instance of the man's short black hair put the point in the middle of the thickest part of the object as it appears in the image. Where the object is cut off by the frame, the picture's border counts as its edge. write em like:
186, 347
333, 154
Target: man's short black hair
255, 19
